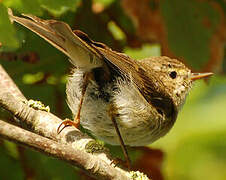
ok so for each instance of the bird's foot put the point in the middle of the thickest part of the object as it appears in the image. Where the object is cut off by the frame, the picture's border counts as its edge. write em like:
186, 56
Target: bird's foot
66, 123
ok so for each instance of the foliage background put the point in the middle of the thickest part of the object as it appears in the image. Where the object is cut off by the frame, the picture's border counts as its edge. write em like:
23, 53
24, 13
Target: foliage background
193, 31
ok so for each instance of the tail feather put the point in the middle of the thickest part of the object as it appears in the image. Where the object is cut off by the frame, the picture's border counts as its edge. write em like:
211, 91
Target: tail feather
60, 35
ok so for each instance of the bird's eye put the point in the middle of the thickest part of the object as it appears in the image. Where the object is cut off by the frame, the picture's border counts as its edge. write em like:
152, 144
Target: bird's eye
173, 74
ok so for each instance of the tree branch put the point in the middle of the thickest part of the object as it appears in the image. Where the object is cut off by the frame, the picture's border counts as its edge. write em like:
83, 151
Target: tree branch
70, 145
62, 151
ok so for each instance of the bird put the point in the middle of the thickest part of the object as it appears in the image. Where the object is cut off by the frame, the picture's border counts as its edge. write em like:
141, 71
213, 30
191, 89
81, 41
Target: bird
119, 100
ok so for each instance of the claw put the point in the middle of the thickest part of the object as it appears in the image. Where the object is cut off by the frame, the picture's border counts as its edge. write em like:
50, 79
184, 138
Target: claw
66, 123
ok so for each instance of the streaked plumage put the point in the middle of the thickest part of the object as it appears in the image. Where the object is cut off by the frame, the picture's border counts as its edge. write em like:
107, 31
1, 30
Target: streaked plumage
144, 96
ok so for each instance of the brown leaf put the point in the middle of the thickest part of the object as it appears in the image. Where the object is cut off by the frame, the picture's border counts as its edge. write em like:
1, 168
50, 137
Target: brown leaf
150, 162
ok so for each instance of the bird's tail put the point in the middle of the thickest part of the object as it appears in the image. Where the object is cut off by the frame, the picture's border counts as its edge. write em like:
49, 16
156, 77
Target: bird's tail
60, 35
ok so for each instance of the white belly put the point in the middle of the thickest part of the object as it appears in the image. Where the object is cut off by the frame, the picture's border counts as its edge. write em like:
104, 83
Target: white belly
138, 122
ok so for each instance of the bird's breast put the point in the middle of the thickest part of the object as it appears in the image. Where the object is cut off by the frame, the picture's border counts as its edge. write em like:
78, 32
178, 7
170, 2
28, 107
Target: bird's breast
138, 121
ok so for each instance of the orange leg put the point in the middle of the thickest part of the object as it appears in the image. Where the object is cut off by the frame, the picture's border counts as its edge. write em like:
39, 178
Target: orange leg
76, 121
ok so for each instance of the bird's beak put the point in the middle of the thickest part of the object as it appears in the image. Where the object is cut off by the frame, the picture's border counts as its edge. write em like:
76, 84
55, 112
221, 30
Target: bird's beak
195, 76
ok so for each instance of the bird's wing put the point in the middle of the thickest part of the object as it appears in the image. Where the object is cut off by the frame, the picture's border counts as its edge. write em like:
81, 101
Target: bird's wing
148, 85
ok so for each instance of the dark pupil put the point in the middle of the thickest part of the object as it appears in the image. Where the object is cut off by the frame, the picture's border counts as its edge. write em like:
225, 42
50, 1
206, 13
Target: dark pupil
173, 74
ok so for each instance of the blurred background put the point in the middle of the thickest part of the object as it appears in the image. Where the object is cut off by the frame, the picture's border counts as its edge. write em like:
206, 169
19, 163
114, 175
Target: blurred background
193, 31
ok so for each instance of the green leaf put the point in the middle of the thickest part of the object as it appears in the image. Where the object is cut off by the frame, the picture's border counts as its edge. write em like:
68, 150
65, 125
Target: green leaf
104, 2
190, 25
145, 51
32, 7
7, 32
25, 6
59, 7
123, 20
